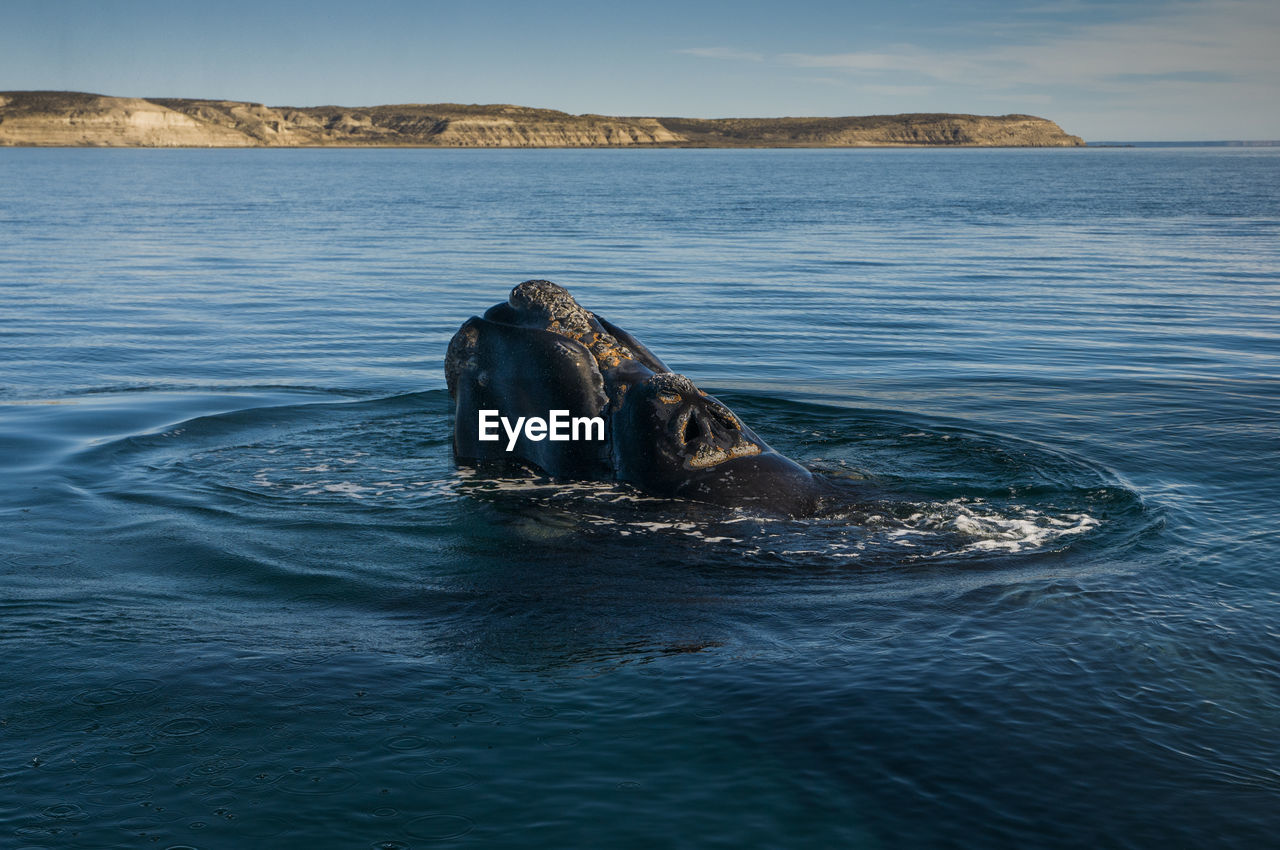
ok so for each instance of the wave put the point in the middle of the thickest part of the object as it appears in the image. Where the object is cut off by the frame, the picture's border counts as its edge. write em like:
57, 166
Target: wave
910, 490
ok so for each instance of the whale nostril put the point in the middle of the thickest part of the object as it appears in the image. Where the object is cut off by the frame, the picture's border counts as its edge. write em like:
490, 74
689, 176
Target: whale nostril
691, 431
723, 417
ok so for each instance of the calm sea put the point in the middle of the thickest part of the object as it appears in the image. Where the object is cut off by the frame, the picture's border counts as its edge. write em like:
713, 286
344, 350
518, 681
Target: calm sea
249, 601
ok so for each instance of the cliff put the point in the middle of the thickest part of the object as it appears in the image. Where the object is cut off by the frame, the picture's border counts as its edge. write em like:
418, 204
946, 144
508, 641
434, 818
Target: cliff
78, 119
876, 131
75, 119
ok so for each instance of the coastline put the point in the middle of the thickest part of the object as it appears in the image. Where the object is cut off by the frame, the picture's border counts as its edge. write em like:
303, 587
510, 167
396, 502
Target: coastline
78, 119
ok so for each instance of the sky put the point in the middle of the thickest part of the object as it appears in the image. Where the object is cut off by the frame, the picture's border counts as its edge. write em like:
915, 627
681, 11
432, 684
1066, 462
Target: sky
1128, 70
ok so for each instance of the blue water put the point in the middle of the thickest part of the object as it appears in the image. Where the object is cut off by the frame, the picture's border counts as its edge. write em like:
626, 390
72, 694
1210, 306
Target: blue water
249, 601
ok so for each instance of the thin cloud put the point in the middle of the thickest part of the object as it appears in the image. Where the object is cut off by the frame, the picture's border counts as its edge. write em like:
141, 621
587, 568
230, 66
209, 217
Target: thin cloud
898, 91
1176, 77
903, 60
723, 53
1170, 72
1228, 41
827, 81
844, 61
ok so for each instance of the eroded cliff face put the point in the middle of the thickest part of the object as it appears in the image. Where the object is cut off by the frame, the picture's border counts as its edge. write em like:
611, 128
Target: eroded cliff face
933, 129
77, 119
596, 132
71, 119
74, 119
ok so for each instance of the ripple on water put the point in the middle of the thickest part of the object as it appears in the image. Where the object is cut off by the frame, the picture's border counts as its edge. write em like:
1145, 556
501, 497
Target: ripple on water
445, 780
163, 814
867, 634
538, 711
467, 690
435, 764
40, 560
122, 774
41, 834
214, 766
316, 781
116, 693
184, 727
404, 743
440, 827
906, 490
561, 740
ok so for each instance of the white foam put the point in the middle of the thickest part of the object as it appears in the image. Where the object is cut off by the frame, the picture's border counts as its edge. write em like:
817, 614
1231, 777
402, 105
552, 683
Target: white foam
1015, 530
929, 529
348, 488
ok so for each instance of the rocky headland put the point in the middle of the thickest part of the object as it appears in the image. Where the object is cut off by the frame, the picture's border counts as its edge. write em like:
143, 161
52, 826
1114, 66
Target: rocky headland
77, 119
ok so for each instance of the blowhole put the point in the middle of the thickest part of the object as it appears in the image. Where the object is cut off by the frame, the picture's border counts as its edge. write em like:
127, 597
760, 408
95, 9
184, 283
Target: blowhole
691, 430
725, 418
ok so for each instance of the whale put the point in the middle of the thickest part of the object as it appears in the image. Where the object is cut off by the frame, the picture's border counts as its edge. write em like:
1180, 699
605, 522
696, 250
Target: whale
546, 363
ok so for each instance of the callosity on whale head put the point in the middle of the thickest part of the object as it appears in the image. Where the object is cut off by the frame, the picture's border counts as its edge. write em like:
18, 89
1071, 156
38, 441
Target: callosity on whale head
541, 351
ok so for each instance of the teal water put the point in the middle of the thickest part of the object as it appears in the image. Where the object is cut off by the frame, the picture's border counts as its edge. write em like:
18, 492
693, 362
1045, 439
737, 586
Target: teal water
248, 600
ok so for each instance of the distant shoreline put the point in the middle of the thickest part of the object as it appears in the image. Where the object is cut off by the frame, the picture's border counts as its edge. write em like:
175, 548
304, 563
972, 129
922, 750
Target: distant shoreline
78, 119
1227, 143
385, 147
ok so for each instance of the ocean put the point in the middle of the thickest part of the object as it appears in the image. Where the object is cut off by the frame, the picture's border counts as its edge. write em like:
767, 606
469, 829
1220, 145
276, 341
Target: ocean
249, 600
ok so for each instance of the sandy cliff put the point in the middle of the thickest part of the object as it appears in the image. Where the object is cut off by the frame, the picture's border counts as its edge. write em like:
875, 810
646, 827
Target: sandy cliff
77, 119
73, 119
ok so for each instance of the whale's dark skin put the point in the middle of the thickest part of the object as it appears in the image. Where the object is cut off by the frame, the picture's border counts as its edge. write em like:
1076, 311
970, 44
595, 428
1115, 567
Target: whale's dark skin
540, 351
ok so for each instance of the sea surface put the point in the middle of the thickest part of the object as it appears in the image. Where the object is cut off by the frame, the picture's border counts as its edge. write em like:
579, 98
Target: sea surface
247, 599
